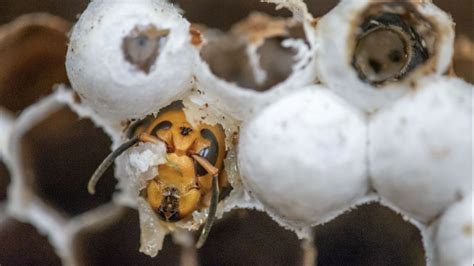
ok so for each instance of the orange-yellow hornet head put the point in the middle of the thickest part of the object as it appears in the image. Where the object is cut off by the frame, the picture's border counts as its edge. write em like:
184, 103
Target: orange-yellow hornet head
184, 181
191, 177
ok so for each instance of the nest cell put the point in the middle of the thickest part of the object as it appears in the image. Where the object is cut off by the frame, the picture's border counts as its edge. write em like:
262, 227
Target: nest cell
369, 234
32, 49
253, 233
371, 52
62, 152
23, 245
117, 242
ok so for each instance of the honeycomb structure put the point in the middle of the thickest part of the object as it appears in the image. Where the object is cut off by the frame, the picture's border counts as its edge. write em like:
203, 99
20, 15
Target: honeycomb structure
326, 166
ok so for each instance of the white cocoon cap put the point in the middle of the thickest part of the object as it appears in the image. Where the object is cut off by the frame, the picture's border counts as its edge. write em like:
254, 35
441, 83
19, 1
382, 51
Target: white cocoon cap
105, 79
455, 235
304, 156
336, 35
420, 148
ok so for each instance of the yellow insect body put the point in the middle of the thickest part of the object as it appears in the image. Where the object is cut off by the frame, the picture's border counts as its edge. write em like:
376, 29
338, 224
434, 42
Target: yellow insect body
179, 189
192, 176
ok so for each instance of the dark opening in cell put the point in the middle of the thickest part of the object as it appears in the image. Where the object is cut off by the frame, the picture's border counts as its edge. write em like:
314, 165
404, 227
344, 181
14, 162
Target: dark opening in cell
21, 244
63, 152
254, 234
32, 53
141, 47
223, 14
4, 181
369, 235
118, 242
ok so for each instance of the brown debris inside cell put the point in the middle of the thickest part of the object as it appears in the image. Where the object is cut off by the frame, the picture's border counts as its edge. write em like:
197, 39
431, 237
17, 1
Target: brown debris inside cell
467, 229
463, 60
196, 37
142, 46
76, 97
258, 27
314, 22
235, 138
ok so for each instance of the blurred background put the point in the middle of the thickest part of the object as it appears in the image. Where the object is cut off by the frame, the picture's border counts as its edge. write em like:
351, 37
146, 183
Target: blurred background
63, 151
219, 14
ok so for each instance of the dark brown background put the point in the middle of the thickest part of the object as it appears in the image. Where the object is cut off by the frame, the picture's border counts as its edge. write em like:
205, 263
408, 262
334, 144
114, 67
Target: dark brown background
221, 13
371, 235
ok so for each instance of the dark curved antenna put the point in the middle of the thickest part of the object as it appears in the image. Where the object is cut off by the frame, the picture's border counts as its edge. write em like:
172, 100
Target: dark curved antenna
211, 217
108, 161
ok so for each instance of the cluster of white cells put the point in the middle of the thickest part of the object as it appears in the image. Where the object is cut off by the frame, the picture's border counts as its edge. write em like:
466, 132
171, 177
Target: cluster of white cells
355, 107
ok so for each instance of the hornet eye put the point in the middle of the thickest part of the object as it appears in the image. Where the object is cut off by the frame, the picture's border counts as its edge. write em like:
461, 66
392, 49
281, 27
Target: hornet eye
134, 127
160, 126
209, 153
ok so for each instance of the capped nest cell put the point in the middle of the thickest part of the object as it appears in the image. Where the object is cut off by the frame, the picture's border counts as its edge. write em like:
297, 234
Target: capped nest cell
153, 35
236, 132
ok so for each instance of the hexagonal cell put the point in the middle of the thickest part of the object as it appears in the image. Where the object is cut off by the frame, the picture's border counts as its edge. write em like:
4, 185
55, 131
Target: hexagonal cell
228, 59
4, 181
254, 234
62, 153
23, 245
253, 54
369, 235
32, 52
246, 46
117, 243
